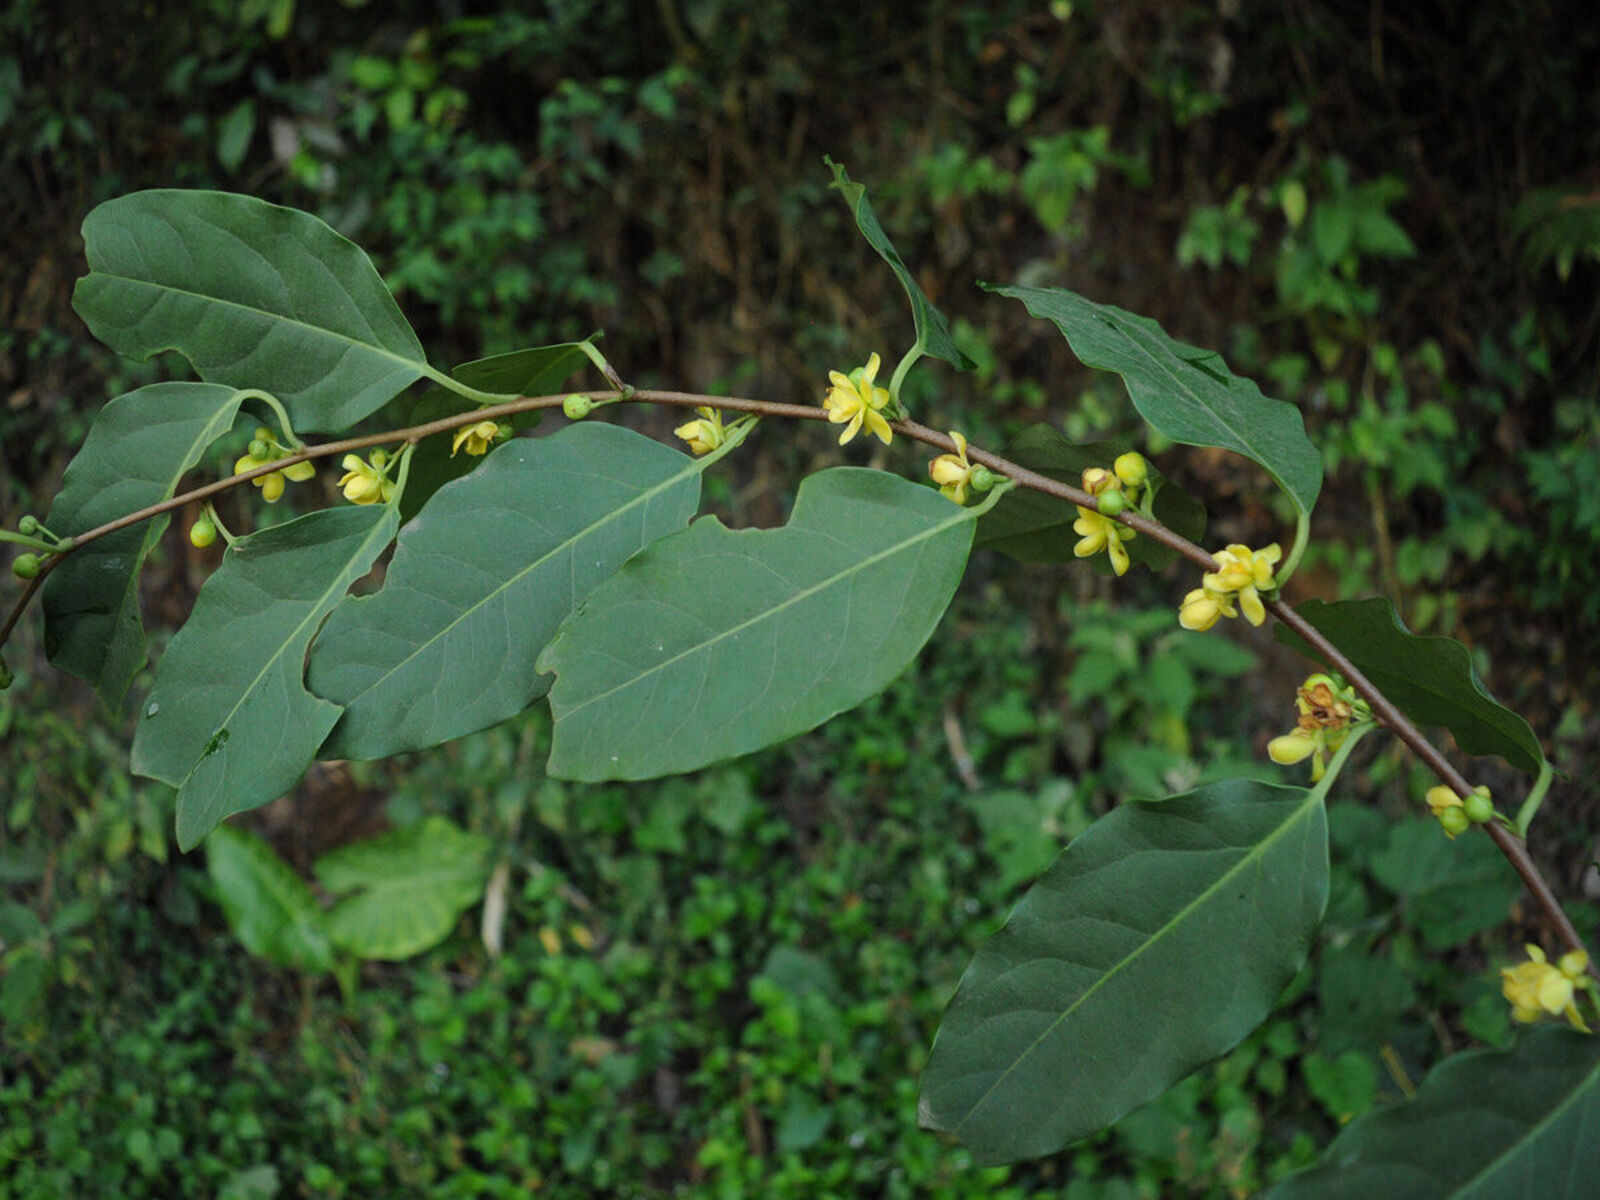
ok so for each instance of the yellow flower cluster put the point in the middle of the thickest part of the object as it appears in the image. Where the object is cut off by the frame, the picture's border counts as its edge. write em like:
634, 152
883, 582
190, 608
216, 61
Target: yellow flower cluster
1327, 710
265, 448
1537, 988
854, 401
1115, 490
475, 439
367, 482
1236, 585
704, 434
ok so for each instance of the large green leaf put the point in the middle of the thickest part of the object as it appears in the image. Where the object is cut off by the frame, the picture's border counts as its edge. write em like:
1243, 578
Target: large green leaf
933, 331
481, 579
229, 722
534, 372
270, 908
1450, 889
410, 885
1035, 528
715, 642
1431, 679
1159, 939
1485, 1125
138, 448
253, 295
1185, 392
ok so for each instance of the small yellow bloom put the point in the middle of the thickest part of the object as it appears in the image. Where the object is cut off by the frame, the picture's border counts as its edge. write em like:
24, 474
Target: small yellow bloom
475, 438
364, 483
1536, 988
952, 472
1100, 532
854, 399
705, 434
1440, 799
1295, 746
271, 484
1132, 469
1202, 609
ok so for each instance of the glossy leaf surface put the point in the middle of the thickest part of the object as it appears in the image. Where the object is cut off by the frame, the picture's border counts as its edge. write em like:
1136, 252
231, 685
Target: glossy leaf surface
1185, 392
482, 577
270, 909
1487, 1124
139, 447
716, 642
933, 331
1159, 938
1035, 528
410, 887
253, 295
1431, 679
229, 722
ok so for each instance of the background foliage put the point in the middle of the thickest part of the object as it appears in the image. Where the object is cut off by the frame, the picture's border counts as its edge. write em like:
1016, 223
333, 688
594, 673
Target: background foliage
727, 982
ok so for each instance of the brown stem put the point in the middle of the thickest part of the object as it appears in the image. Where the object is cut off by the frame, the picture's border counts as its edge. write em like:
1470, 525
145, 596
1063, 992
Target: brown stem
1513, 847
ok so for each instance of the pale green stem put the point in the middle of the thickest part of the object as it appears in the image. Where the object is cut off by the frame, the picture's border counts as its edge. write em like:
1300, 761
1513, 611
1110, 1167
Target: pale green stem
462, 389
1302, 535
210, 511
32, 543
405, 470
1530, 806
290, 441
900, 373
1336, 764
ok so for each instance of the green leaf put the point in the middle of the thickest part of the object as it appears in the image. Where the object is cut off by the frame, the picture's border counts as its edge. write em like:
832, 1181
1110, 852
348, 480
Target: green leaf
1450, 889
1186, 393
411, 886
254, 295
716, 642
229, 722
1035, 528
270, 909
1159, 939
1431, 679
1485, 1124
481, 579
933, 331
533, 372
138, 448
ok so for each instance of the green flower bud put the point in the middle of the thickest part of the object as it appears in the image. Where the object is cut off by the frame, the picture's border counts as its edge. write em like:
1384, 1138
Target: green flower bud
259, 448
982, 479
28, 526
25, 566
1112, 502
1455, 820
202, 533
379, 458
1479, 808
577, 407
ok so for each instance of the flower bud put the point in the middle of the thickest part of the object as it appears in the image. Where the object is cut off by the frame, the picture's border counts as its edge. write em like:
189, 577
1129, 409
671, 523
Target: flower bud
202, 533
1132, 469
577, 407
259, 448
1112, 502
379, 458
1097, 479
1479, 808
25, 566
1291, 748
982, 479
1454, 821
28, 526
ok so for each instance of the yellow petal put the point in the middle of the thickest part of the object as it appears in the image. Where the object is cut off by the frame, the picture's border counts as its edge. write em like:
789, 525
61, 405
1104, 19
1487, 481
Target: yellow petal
1254, 611
271, 486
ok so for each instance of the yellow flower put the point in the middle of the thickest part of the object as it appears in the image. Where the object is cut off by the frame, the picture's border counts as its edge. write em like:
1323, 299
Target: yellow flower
1441, 799
1202, 609
1102, 533
1295, 746
855, 399
1326, 710
1132, 469
364, 483
1536, 988
706, 434
952, 472
1241, 575
271, 484
476, 438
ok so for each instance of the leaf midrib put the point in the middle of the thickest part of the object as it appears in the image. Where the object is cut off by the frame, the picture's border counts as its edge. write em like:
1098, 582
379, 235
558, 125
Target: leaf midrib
1307, 805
